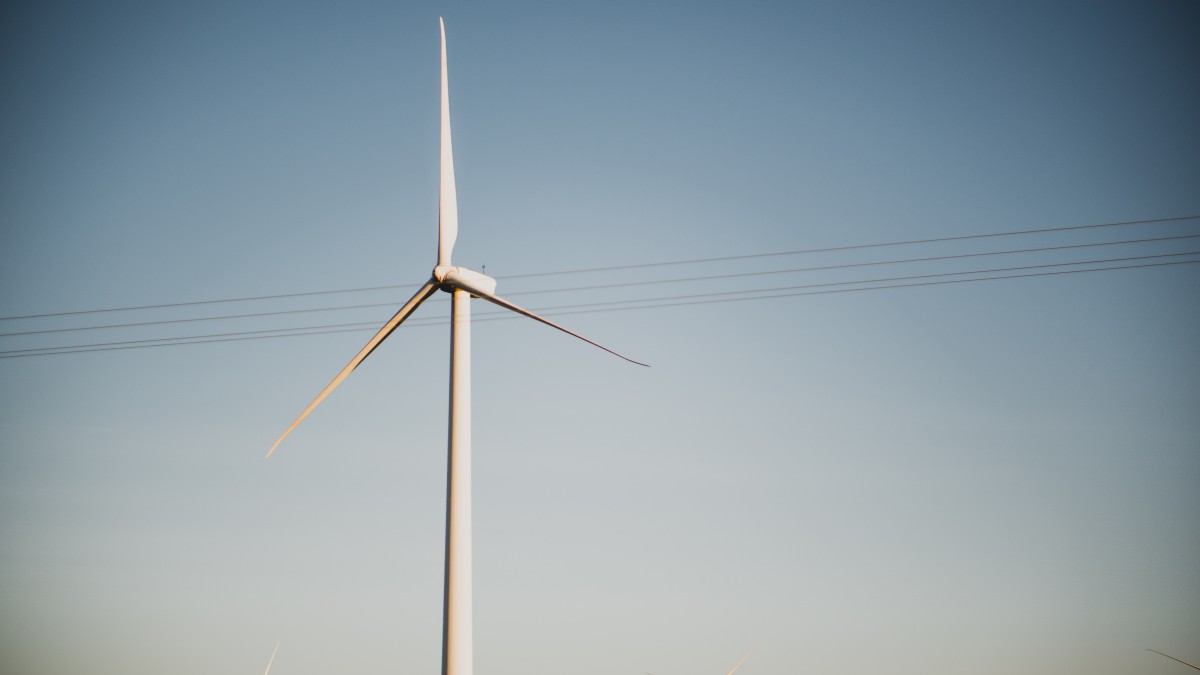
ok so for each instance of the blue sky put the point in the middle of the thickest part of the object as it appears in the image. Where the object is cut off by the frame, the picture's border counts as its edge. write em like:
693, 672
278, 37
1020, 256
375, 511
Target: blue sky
988, 477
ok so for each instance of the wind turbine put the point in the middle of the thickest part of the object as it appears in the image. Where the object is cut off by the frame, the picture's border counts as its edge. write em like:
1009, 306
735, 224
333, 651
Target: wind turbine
272, 660
463, 284
739, 663
736, 665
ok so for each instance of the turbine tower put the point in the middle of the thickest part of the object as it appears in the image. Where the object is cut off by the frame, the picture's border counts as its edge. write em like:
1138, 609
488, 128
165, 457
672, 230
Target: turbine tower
463, 284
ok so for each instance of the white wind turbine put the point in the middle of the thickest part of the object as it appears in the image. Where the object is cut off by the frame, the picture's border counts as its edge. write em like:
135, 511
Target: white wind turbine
463, 284
272, 660
736, 665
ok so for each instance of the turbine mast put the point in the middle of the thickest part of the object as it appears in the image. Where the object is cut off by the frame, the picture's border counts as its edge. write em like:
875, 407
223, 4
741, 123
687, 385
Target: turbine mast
457, 631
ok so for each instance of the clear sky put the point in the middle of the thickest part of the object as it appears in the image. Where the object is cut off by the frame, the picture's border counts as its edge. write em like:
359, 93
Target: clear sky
992, 477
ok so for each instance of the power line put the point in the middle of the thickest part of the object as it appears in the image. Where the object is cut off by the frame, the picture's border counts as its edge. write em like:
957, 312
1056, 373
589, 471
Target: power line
854, 247
882, 280
822, 268
224, 317
202, 302
202, 339
879, 288
627, 284
143, 344
668, 301
622, 267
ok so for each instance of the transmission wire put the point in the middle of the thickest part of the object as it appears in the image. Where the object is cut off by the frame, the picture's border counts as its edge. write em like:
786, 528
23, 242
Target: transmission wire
670, 301
611, 286
620, 267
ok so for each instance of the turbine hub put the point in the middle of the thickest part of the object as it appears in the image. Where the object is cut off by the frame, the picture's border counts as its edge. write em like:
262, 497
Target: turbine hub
461, 277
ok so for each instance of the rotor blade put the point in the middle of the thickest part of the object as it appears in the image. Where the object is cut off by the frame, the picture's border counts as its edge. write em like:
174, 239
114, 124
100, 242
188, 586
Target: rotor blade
427, 290
268, 670
739, 663
448, 195
457, 283
1174, 659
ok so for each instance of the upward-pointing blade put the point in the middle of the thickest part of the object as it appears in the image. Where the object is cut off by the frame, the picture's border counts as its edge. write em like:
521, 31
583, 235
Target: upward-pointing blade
409, 307
448, 195
479, 293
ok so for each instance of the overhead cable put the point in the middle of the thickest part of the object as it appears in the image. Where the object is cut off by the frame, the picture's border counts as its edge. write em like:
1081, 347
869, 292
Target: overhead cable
909, 242
667, 301
626, 284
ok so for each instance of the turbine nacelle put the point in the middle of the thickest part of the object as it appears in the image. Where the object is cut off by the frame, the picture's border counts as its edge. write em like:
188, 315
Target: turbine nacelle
478, 284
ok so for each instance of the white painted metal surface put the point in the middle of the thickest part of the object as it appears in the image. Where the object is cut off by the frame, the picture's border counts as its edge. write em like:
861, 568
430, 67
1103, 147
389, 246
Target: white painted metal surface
457, 650
271, 660
447, 192
739, 663
409, 307
457, 626
460, 281
461, 277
